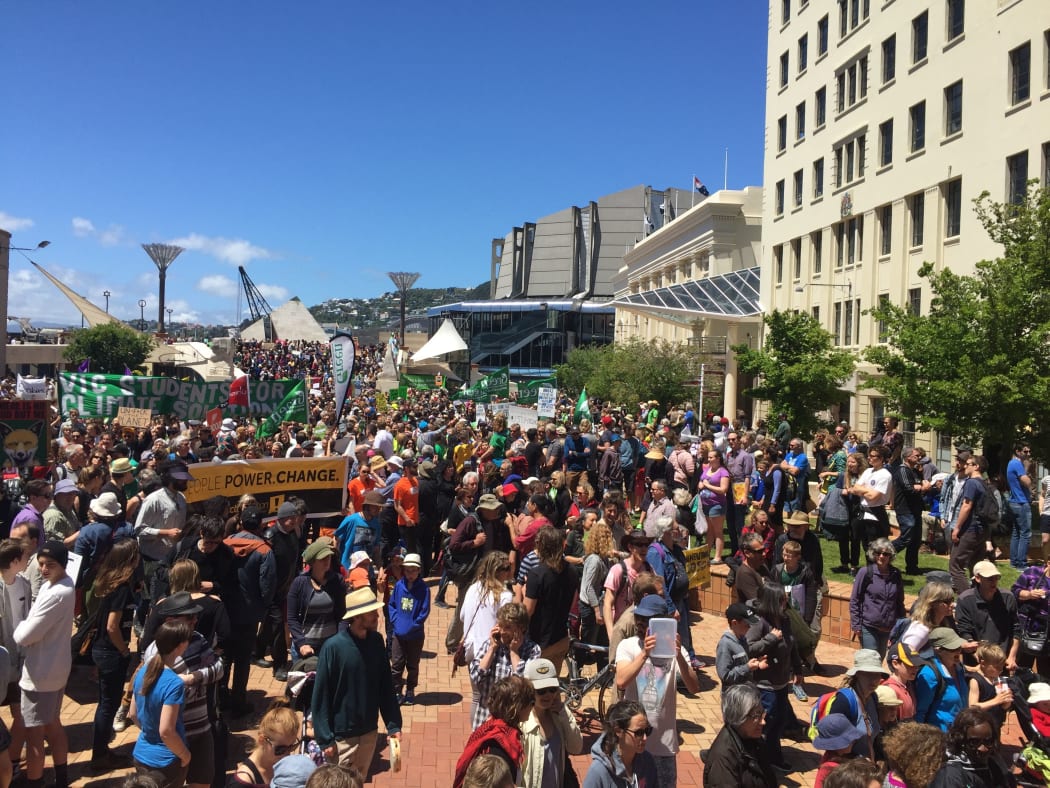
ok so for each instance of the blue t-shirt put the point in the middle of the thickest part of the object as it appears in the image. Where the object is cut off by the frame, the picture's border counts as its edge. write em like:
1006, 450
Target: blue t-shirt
973, 491
1018, 492
168, 691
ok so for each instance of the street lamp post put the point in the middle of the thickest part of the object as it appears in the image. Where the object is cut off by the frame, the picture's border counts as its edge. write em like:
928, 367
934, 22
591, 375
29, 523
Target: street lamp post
403, 281
107, 294
142, 313
5, 269
162, 255
169, 310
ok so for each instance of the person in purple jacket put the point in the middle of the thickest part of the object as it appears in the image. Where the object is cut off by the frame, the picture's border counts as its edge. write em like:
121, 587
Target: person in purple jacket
409, 607
877, 599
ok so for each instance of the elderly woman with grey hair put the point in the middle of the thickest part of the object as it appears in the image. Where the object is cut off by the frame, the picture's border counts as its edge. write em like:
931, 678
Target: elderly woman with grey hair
877, 599
667, 559
736, 759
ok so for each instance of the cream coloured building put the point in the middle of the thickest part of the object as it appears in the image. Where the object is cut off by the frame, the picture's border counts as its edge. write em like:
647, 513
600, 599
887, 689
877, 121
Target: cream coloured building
884, 120
696, 280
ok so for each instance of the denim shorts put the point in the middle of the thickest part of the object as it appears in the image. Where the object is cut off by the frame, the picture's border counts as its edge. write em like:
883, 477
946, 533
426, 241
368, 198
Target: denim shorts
714, 510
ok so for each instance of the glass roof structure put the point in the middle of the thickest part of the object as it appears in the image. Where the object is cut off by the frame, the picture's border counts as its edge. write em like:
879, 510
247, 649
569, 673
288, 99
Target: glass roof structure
728, 296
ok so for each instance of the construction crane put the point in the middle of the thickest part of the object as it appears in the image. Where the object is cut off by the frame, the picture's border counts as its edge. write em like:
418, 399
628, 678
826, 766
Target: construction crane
257, 305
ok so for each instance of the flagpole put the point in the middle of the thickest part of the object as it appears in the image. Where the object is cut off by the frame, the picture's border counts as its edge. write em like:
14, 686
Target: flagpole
725, 178
692, 191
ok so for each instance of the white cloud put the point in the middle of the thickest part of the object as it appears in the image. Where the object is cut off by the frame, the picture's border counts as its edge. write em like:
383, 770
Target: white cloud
275, 294
13, 223
112, 235
236, 251
218, 285
82, 227
181, 312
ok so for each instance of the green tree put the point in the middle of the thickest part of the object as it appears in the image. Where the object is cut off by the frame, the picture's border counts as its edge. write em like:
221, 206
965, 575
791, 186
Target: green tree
798, 371
977, 366
632, 371
110, 346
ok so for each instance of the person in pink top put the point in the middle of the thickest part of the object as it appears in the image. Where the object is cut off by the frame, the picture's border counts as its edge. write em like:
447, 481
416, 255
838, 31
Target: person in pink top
714, 489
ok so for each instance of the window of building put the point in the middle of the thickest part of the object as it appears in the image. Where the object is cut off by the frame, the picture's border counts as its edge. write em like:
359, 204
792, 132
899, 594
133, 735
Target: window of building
780, 197
784, 66
816, 243
884, 301
1021, 73
778, 263
800, 121
886, 142
953, 107
917, 208
843, 18
796, 257
849, 160
889, 59
852, 83
956, 21
953, 208
840, 91
782, 132
849, 237
803, 53
852, 13
815, 312
920, 34
847, 323
885, 229
917, 114
1046, 164
1046, 65
820, 107
836, 322
822, 36
798, 187
1017, 177
818, 178
785, 11
915, 301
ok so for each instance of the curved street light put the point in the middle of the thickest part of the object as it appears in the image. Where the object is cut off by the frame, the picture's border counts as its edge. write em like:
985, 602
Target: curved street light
107, 294
5, 269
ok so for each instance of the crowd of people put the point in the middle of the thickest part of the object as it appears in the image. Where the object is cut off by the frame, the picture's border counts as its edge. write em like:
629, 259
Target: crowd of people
569, 531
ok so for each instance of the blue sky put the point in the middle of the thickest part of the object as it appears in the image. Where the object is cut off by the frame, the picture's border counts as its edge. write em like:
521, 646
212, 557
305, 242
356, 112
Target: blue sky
321, 144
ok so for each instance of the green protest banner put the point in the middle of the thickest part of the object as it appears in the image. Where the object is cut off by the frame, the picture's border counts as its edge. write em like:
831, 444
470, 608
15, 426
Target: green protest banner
424, 382
101, 396
292, 408
529, 393
495, 385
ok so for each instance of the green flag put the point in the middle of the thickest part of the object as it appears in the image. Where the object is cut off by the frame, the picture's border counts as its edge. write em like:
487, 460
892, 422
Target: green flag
583, 409
292, 408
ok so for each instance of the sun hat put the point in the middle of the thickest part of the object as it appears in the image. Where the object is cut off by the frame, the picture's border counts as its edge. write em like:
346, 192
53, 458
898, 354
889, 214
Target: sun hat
946, 638
489, 502
65, 486
292, 771
541, 673
885, 696
654, 454
121, 466
1038, 692
316, 551
413, 559
106, 505
377, 463
361, 601
178, 604
229, 424
650, 606
359, 557
396, 461
797, 517
836, 732
981, 569
866, 660
373, 498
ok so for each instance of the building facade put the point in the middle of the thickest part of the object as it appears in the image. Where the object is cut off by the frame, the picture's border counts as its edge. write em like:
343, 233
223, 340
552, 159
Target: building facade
885, 119
696, 280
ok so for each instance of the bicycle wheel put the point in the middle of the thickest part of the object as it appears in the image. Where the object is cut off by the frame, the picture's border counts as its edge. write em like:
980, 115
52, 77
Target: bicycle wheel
608, 685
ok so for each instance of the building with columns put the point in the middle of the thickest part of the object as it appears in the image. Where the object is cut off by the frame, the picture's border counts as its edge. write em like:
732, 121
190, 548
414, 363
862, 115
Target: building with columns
696, 280
884, 121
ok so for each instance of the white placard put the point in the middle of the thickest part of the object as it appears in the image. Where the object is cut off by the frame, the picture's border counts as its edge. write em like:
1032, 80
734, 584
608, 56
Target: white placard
545, 402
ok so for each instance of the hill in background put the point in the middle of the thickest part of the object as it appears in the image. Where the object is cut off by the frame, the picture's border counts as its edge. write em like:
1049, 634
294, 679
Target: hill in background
369, 312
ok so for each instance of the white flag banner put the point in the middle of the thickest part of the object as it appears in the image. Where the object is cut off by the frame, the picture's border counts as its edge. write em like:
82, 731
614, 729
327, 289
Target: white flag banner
344, 356
31, 388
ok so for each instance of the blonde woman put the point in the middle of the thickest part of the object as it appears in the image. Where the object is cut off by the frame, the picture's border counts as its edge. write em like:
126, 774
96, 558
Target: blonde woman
278, 738
483, 599
600, 554
934, 604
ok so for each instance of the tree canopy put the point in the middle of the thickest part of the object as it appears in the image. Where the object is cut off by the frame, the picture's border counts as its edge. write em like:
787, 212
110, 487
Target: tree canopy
111, 347
977, 366
798, 371
632, 371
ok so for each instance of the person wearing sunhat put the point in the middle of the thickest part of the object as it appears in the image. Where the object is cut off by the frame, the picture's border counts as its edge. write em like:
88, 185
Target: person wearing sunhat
941, 686
316, 601
409, 608
836, 736
353, 687
550, 734
60, 518
856, 700
121, 473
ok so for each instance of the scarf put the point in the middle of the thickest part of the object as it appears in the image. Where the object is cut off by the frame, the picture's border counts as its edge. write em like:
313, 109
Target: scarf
492, 731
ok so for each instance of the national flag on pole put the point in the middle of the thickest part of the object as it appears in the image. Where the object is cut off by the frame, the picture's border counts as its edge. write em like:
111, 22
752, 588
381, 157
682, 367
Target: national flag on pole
698, 186
583, 408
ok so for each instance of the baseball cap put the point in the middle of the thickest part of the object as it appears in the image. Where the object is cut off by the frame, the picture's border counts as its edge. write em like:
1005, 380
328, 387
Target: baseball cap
886, 696
541, 673
980, 569
738, 611
946, 638
179, 470
652, 605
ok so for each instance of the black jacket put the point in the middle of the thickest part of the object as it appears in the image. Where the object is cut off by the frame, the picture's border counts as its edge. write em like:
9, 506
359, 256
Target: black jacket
733, 762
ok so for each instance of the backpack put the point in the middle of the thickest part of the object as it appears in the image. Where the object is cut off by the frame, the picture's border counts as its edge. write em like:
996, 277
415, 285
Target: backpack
84, 637
676, 583
822, 706
989, 511
620, 598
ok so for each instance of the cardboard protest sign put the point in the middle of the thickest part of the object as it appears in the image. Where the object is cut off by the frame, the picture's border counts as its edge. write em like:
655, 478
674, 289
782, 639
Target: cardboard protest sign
23, 429
320, 482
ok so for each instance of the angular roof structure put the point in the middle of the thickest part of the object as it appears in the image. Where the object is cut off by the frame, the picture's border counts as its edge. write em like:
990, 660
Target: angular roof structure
732, 295
94, 315
445, 340
291, 321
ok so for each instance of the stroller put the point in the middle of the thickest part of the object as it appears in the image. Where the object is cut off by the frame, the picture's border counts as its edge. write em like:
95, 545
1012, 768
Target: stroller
1034, 759
300, 692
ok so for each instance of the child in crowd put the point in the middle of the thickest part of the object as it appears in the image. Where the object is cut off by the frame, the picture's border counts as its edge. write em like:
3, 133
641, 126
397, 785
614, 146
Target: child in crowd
889, 708
985, 692
1039, 703
835, 736
386, 580
904, 663
408, 610
360, 571
732, 661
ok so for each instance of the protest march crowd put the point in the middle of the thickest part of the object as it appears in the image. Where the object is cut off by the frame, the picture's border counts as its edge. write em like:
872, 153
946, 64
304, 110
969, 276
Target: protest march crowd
543, 538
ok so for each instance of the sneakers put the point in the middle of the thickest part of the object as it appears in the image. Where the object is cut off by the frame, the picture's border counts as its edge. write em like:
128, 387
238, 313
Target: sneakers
800, 693
408, 699
696, 663
109, 761
120, 721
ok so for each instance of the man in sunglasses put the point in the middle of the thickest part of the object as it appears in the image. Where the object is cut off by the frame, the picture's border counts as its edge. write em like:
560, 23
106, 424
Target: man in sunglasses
652, 682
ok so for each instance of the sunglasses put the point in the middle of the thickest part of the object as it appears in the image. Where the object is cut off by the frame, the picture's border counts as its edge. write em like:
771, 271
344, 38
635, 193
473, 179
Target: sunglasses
646, 731
283, 749
989, 742
547, 691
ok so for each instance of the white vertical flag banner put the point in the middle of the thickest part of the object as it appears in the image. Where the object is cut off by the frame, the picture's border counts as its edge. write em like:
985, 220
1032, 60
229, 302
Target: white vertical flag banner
344, 357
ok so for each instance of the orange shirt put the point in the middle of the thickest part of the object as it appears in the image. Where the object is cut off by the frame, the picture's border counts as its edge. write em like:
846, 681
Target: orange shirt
406, 494
357, 489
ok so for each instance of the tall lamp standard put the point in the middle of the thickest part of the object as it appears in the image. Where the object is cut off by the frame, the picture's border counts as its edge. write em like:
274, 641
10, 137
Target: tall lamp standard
169, 310
107, 294
403, 281
5, 269
142, 313
162, 255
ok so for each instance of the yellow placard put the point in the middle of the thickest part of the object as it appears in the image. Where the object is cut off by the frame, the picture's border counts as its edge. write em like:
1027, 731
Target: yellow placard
698, 566
320, 481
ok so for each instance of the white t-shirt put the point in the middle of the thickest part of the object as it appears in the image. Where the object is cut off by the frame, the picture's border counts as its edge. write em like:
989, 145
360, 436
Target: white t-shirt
879, 480
655, 687
477, 627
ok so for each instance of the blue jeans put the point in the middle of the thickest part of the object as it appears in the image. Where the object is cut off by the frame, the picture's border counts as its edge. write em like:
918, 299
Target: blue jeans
875, 640
778, 715
112, 672
1021, 534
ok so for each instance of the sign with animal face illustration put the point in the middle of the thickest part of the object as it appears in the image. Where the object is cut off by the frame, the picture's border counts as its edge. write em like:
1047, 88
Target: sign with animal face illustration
23, 430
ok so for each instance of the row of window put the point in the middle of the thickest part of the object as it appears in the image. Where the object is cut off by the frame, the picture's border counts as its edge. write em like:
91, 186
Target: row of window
845, 320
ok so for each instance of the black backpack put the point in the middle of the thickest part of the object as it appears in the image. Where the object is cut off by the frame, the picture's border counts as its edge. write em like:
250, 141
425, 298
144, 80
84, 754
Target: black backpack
988, 511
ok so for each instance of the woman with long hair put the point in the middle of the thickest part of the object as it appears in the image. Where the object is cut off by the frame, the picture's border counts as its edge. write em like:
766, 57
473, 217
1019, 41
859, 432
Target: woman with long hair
483, 599
160, 750
615, 515
111, 650
714, 492
278, 737
549, 591
849, 539
600, 554
618, 757
510, 704
562, 498
973, 754
933, 606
